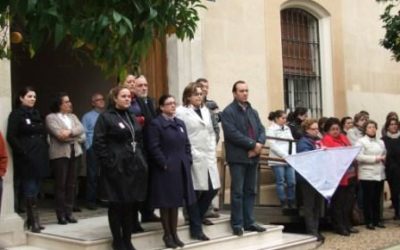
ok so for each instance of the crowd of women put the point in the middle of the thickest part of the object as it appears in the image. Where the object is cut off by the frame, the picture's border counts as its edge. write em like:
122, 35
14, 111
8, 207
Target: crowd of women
361, 187
171, 161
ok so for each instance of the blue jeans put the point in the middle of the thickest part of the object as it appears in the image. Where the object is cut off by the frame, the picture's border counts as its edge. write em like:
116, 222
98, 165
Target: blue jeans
243, 194
285, 174
91, 176
31, 187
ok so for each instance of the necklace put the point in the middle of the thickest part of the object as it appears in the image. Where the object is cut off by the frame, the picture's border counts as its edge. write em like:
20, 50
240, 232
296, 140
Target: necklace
131, 129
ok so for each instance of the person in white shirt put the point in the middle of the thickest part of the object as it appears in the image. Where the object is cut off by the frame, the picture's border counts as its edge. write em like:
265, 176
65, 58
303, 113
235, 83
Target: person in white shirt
284, 173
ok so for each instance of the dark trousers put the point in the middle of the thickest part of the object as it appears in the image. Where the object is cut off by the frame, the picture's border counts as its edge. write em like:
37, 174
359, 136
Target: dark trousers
31, 187
312, 203
394, 186
197, 210
120, 216
243, 194
341, 206
372, 201
91, 176
65, 172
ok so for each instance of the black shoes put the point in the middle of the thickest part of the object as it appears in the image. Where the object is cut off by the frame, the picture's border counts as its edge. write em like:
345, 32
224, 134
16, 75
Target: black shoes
380, 225
71, 219
238, 231
353, 230
320, 237
177, 241
201, 236
255, 228
169, 241
91, 206
370, 226
207, 222
343, 232
62, 221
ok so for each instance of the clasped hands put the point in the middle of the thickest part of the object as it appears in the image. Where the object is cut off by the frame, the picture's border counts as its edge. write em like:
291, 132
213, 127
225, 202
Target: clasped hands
255, 151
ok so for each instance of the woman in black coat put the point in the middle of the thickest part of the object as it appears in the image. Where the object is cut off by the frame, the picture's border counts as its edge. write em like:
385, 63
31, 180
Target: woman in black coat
26, 135
171, 179
117, 143
392, 163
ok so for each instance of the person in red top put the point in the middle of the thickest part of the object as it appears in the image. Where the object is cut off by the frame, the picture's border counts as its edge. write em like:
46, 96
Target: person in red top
343, 198
3, 164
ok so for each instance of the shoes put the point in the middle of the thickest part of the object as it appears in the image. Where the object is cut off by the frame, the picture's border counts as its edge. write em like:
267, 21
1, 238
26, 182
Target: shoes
255, 228
320, 237
128, 244
353, 230
137, 228
62, 221
370, 227
91, 206
201, 236
380, 225
117, 245
207, 222
76, 209
71, 219
169, 241
238, 231
343, 232
151, 218
177, 241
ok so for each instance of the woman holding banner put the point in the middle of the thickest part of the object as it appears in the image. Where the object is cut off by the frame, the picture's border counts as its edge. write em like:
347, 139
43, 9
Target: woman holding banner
343, 198
312, 200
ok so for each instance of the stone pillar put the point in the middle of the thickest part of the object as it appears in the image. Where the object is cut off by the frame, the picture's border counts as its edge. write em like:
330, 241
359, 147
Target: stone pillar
11, 224
185, 62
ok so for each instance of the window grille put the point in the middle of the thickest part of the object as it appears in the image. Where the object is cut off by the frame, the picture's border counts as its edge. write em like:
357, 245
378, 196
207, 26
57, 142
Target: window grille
301, 61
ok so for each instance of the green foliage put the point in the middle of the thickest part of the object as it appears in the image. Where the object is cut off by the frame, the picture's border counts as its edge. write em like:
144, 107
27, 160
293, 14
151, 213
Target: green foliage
113, 34
391, 20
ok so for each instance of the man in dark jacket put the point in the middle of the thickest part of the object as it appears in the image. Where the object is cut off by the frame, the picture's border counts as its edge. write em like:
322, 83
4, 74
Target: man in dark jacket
244, 137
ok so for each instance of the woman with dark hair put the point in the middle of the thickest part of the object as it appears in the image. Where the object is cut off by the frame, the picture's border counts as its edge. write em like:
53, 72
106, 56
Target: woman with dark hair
343, 198
389, 116
118, 145
312, 199
284, 174
171, 178
26, 134
205, 175
66, 135
346, 123
295, 120
321, 125
392, 163
371, 173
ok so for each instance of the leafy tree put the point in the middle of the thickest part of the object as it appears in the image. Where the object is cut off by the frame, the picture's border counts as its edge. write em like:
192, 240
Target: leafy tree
391, 20
113, 34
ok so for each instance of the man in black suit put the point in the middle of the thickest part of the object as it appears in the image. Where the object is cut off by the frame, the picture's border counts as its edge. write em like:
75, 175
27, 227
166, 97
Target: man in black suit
144, 109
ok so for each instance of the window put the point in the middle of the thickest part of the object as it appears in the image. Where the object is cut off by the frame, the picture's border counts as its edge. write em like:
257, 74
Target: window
301, 61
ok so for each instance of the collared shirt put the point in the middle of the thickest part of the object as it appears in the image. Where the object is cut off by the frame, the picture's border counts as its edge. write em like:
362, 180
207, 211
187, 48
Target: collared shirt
67, 121
89, 121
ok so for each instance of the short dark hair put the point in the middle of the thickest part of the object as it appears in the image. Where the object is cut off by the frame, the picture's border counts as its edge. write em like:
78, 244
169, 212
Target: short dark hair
200, 80
366, 125
235, 84
330, 122
275, 114
343, 121
22, 93
162, 100
359, 116
56, 101
388, 121
321, 123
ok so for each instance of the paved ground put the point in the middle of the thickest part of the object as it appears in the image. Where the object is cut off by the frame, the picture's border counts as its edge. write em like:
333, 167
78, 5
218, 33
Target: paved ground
388, 238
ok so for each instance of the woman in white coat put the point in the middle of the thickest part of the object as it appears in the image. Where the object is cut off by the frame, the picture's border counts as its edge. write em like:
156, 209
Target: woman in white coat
206, 181
284, 173
371, 173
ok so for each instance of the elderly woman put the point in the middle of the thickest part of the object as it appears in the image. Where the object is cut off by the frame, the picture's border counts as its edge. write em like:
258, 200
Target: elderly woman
371, 173
392, 163
118, 145
284, 173
343, 198
26, 134
171, 179
312, 199
201, 135
66, 135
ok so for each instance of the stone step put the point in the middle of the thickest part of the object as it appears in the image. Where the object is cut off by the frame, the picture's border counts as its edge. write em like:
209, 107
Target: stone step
25, 248
93, 234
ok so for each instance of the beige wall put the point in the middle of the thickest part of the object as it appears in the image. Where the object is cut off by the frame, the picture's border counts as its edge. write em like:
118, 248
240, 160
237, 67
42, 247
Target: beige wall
372, 79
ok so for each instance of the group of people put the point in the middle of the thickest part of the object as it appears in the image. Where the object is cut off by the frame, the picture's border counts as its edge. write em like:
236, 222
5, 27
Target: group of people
362, 184
142, 158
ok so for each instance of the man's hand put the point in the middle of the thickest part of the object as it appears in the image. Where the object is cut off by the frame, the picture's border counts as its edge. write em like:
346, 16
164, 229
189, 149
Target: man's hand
252, 153
258, 148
